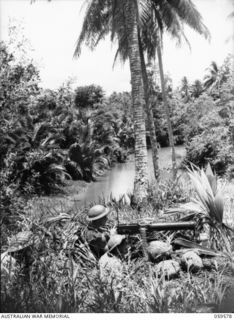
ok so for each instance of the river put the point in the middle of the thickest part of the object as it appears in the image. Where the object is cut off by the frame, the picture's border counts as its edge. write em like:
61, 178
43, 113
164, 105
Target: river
119, 179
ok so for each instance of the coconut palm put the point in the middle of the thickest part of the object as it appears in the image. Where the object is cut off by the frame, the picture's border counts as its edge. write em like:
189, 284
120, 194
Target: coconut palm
216, 76
212, 79
170, 16
122, 52
131, 13
148, 94
121, 19
159, 16
196, 89
185, 90
103, 17
166, 106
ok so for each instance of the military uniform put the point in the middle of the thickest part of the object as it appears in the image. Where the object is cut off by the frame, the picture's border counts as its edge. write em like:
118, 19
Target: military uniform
97, 239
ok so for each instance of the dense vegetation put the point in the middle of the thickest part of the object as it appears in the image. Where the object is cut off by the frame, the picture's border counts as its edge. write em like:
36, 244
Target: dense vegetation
60, 274
49, 137
209, 123
202, 118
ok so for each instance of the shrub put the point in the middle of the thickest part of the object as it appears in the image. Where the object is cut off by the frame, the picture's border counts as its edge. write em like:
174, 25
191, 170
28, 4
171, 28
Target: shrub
209, 141
88, 96
12, 208
62, 277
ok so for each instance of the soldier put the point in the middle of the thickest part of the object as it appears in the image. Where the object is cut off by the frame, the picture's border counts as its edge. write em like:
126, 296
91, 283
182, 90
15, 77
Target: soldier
96, 234
99, 238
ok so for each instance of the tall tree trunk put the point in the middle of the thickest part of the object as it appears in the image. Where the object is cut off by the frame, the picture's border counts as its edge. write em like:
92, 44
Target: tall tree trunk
141, 164
149, 112
166, 106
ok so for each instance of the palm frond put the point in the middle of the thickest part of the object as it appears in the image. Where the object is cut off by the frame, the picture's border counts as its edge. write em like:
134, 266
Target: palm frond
119, 33
188, 13
95, 26
144, 8
108, 16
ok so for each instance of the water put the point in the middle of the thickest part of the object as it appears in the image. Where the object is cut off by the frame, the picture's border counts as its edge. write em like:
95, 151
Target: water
120, 179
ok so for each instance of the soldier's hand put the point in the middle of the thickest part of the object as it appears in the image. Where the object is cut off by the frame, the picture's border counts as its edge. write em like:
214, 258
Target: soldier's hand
113, 231
105, 236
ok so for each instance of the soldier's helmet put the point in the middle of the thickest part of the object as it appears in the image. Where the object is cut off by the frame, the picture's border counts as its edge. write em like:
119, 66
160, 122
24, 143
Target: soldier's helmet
97, 212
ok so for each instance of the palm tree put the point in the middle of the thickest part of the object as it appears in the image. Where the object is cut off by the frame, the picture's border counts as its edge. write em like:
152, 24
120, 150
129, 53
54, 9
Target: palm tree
166, 106
212, 79
215, 78
185, 90
121, 19
148, 94
122, 53
197, 89
112, 16
141, 176
169, 15
158, 16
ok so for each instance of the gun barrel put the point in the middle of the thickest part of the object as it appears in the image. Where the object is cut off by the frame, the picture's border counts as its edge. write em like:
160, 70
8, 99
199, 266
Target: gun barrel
188, 225
164, 226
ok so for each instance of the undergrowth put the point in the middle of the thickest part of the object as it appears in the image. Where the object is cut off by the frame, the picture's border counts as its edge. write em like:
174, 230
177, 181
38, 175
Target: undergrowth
57, 284
58, 278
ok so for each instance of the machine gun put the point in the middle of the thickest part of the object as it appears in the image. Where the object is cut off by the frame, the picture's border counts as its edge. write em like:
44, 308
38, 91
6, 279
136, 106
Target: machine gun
135, 228
143, 228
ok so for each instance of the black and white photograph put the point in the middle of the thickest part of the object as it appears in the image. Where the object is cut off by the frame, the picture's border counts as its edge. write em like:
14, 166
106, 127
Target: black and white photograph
117, 158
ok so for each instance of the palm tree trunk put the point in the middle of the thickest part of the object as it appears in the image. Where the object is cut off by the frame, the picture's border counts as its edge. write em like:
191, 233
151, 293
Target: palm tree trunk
141, 165
164, 95
149, 112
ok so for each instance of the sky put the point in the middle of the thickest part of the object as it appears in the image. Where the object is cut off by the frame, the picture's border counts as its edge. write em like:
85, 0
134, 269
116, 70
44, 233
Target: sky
53, 28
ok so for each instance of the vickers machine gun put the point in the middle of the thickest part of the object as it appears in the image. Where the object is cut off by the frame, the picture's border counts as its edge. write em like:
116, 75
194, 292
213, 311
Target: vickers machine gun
163, 226
143, 228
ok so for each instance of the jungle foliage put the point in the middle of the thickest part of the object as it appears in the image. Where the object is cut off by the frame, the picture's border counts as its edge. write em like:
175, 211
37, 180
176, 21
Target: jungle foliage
48, 136
209, 124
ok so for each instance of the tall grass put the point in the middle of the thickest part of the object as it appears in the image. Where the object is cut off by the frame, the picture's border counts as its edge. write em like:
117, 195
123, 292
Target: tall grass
64, 277
57, 284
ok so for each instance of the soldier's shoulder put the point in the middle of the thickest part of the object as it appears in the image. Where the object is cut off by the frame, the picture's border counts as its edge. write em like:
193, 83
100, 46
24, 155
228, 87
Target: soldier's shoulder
91, 234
